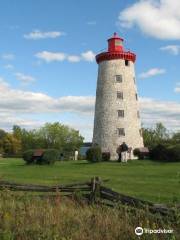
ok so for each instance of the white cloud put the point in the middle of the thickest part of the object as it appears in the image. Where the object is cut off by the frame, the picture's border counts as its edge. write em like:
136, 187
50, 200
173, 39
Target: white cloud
172, 49
8, 56
9, 66
7, 120
24, 107
85, 126
88, 56
167, 112
51, 56
157, 18
152, 72
3, 84
177, 88
19, 101
37, 34
25, 79
81, 104
73, 58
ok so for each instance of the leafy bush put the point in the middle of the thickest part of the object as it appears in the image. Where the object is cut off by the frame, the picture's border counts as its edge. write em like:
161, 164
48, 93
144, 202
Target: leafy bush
81, 157
49, 156
174, 153
28, 156
68, 155
7, 155
159, 153
94, 154
166, 153
106, 156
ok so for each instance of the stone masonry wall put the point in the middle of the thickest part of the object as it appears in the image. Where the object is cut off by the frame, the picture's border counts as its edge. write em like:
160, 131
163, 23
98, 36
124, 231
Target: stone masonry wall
106, 121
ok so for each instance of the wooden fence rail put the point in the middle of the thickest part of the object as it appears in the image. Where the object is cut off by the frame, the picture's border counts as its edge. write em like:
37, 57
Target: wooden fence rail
94, 192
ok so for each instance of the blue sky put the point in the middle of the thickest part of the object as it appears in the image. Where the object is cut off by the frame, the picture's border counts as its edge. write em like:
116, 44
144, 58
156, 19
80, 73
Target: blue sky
47, 67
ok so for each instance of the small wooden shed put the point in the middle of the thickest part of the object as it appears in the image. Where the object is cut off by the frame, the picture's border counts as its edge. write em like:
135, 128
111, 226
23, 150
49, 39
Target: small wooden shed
37, 155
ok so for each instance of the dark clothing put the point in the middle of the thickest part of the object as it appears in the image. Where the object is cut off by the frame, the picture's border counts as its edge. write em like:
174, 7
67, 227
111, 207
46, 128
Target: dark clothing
119, 153
61, 156
124, 147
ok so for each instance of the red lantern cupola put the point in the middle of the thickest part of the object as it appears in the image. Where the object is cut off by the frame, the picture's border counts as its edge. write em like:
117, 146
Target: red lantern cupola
115, 51
115, 44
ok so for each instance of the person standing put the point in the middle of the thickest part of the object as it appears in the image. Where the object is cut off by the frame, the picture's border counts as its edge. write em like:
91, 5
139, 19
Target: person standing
124, 149
76, 155
61, 156
119, 153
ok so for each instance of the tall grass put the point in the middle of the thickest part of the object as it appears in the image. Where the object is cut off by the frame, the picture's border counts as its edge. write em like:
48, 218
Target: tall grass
27, 217
148, 180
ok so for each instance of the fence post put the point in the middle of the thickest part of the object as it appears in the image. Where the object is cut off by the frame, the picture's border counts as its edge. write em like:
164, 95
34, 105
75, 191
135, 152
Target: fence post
95, 189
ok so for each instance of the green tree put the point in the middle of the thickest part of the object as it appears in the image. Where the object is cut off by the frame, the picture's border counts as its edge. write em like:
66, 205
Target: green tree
176, 138
30, 139
155, 136
62, 137
2, 135
11, 145
1, 147
51, 135
148, 137
161, 132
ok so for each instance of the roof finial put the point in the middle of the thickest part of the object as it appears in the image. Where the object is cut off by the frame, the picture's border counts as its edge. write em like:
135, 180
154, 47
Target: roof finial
115, 34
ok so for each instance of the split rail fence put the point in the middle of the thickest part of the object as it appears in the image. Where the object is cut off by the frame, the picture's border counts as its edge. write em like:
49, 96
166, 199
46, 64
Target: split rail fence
93, 191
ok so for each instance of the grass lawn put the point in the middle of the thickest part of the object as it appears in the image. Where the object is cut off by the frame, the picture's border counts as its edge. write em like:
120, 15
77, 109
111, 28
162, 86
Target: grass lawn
157, 182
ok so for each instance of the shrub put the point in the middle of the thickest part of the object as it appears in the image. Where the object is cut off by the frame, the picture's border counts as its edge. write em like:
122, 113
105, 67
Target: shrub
106, 156
81, 157
28, 156
7, 155
68, 155
159, 153
174, 153
94, 154
49, 156
166, 153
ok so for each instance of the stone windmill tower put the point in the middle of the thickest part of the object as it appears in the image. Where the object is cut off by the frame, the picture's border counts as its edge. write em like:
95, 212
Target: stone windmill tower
117, 116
